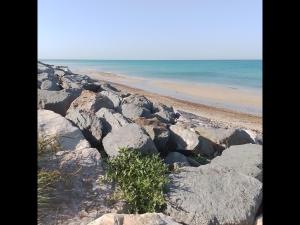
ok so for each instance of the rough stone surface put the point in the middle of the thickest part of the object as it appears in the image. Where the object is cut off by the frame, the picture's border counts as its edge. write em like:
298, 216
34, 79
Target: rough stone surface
132, 111
246, 159
176, 157
259, 139
112, 120
158, 132
164, 113
90, 125
138, 100
89, 101
78, 81
129, 136
224, 137
57, 101
53, 124
50, 85
184, 138
134, 219
115, 98
213, 195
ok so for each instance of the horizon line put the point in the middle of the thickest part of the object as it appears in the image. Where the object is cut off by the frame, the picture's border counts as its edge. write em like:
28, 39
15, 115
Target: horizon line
147, 59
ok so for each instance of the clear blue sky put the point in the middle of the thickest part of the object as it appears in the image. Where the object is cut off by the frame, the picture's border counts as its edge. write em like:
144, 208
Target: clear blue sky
149, 29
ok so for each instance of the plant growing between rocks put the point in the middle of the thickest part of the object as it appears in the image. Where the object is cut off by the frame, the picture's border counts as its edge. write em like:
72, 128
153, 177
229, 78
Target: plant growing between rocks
141, 180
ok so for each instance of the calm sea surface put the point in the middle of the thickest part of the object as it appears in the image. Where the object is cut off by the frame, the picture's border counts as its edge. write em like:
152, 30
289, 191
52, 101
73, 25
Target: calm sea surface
232, 73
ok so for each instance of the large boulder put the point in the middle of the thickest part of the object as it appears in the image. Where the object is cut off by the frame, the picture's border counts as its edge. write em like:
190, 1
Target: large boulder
50, 85
90, 101
79, 81
112, 120
51, 124
226, 137
135, 106
210, 194
134, 219
184, 138
246, 159
138, 100
90, 125
115, 98
132, 111
129, 136
44, 68
158, 132
178, 158
164, 113
57, 101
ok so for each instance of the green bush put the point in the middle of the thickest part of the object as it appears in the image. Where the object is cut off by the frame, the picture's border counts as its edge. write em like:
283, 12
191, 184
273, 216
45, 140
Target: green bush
140, 178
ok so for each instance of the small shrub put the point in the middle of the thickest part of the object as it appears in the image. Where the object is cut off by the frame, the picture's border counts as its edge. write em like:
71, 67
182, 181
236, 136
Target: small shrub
47, 181
140, 178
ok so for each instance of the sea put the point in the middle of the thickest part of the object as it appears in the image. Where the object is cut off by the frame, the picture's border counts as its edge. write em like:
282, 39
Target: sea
244, 74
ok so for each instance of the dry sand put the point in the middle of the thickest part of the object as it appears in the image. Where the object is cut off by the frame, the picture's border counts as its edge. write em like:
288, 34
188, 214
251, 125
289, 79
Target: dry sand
222, 105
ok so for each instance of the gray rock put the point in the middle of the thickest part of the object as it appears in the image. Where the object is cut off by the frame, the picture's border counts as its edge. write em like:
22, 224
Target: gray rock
90, 125
79, 81
112, 120
164, 113
246, 159
134, 219
184, 138
213, 195
259, 139
132, 111
89, 101
44, 68
158, 132
224, 137
115, 98
176, 157
138, 100
56, 101
129, 136
51, 124
50, 85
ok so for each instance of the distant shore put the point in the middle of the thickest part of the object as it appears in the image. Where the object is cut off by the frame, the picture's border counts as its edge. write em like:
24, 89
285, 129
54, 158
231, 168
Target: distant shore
231, 107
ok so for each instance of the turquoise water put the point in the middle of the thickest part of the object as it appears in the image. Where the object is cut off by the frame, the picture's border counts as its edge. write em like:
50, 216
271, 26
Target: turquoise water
233, 73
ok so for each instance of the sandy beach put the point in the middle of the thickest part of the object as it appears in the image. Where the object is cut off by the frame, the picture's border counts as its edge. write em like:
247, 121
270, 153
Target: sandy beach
226, 106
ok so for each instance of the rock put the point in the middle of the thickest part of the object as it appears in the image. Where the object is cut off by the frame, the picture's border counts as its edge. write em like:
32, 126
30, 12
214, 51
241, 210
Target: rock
57, 101
176, 157
138, 100
259, 139
115, 98
246, 159
90, 101
54, 125
49, 85
192, 120
135, 106
132, 111
259, 220
158, 132
193, 162
59, 73
134, 219
184, 138
90, 125
79, 81
129, 136
164, 113
111, 120
225, 137
44, 68
210, 194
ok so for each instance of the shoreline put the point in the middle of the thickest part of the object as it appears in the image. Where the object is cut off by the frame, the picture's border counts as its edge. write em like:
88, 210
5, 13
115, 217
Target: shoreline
226, 117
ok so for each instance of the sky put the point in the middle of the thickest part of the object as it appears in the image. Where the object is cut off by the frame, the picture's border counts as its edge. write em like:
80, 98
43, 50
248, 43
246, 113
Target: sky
149, 29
